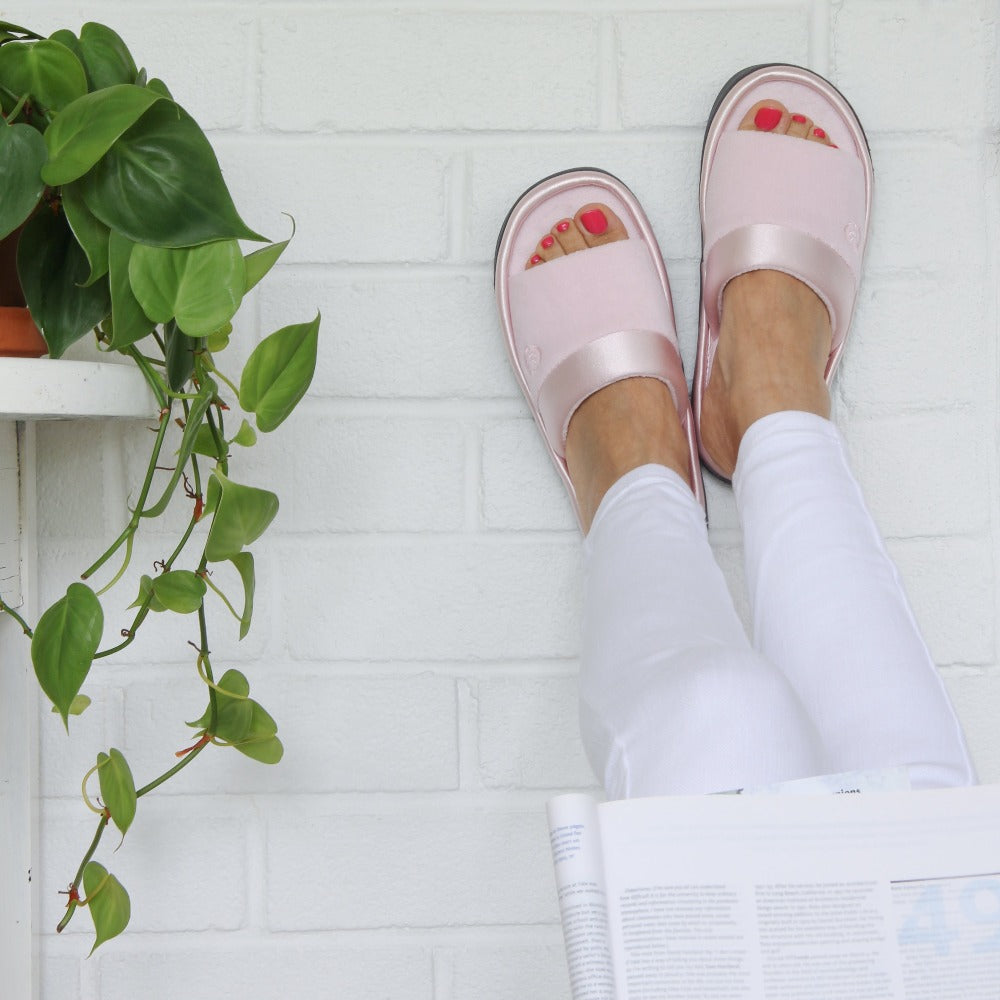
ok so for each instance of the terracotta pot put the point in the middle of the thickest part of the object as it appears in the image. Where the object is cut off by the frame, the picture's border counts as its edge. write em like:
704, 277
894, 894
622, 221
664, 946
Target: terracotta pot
19, 337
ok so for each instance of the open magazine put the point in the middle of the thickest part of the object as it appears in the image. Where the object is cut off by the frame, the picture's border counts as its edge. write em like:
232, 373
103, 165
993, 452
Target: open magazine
888, 896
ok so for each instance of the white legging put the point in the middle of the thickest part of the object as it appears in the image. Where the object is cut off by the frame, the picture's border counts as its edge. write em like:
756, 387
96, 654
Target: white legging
675, 699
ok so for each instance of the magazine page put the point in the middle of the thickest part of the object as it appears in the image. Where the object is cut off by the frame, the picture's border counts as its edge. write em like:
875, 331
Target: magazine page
893, 896
575, 836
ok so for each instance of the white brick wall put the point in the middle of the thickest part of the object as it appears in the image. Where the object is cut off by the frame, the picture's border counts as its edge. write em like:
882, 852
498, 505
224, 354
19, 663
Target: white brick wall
417, 616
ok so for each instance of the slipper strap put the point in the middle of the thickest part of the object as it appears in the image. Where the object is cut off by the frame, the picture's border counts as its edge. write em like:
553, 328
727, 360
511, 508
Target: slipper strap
805, 213
610, 300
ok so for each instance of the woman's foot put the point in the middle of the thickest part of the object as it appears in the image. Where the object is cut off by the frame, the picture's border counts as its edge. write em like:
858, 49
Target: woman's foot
629, 423
775, 334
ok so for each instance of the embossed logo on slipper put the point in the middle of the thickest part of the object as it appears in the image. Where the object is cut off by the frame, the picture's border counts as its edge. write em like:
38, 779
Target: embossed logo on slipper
853, 233
532, 357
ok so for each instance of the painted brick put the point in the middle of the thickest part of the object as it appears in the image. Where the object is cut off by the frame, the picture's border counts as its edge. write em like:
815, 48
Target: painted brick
941, 56
536, 972
385, 733
529, 733
388, 336
450, 599
911, 345
661, 172
422, 70
357, 203
70, 452
894, 456
264, 968
915, 216
173, 852
420, 865
387, 474
975, 696
951, 584
521, 488
670, 74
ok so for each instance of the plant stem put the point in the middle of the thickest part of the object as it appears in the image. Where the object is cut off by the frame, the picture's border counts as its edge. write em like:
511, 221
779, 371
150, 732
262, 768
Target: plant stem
7, 609
75, 885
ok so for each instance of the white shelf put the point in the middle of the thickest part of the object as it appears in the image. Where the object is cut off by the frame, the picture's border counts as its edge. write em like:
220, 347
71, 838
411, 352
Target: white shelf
43, 389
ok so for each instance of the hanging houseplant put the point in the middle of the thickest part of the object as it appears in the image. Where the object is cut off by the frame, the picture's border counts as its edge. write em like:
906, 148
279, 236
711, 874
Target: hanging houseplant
129, 235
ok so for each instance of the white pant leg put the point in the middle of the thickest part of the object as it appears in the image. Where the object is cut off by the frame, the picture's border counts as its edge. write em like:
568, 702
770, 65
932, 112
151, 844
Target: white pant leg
674, 699
829, 608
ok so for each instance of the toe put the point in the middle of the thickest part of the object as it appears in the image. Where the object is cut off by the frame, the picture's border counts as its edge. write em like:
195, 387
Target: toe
548, 248
766, 116
817, 134
568, 236
597, 225
799, 126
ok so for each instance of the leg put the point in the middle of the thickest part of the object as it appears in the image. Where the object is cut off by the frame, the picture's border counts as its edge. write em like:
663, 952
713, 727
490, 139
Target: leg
829, 609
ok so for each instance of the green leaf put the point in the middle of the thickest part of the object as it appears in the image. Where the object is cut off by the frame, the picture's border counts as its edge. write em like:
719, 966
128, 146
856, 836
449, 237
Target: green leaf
260, 742
160, 184
78, 706
157, 86
180, 351
129, 323
64, 644
234, 711
22, 156
146, 595
90, 232
66, 37
219, 340
242, 515
201, 287
205, 443
278, 373
85, 130
106, 58
180, 590
53, 271
46, 70
245, 567
261, 261
196, 413
117, 788
246, 436
107, 901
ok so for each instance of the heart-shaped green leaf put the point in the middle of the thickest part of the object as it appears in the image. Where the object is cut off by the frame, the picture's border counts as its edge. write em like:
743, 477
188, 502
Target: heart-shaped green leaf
242, 515
160, 184
246, 436
89, 231
260, 742
63, 647
117, 788
278, 372
129, 323
232, 697
107, 901
245, 567
201, 287
53, 271
85, 130
146, 595
22, 156
180, 591
78, 706
106, 58
46, 70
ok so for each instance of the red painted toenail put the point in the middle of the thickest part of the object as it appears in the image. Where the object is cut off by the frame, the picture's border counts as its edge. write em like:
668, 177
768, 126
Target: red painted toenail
562, 226
547, 242
833, 145
536, 259
767, 119
798, 118
595, 222
819, 133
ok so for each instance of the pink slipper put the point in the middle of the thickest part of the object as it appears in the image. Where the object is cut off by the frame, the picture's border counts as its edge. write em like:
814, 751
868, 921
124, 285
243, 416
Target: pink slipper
782, 203
580, 322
